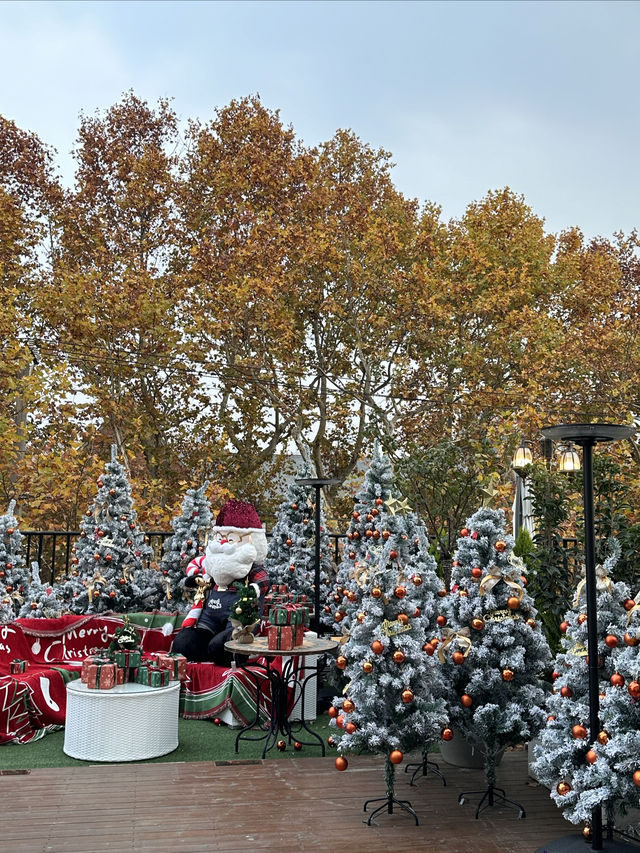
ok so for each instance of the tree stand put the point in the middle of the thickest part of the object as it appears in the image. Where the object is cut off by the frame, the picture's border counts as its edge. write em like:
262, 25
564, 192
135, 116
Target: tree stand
389, 801
492, 794
422, 767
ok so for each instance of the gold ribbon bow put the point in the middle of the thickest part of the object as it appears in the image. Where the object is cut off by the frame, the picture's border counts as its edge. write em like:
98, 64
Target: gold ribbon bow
16, 597
96, 579
495, 575
167, 588
635, 607
361, 573
204, 585
127, 573
603, 583
462, 637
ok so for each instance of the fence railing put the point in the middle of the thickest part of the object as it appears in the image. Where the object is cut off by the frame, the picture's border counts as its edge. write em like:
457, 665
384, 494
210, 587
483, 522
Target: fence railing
52, 549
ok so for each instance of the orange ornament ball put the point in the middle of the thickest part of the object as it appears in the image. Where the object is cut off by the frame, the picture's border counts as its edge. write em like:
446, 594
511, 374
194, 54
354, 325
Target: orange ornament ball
563, 788
376, 647
447, 734
379, 501
631, 639
563, 627
407, 696
629, 604
112, 594
566, 692
403, 619
636, 778
400, 592
457, 658
367, 667
350, 728
634, 689
341, 763
396, 757
386, 534
513, 602
476, 572
340, 721
464, 532
348, 707
603, 737
398, 656
579, 732
550, 718
376, 592
477, 624
393, 554
417, 580
428, 648
617, 680
500, 546
333, 711
441, 620
507, 674
466, 700
442, 593
341, 662
591, 756
611, 641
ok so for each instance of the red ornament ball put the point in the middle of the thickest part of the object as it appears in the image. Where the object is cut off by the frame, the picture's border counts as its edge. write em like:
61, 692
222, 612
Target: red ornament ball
350, 728
447, 734
341, 662
464, 532
341, 763
441, 620
629, 604
566, 692
634, 689
428, 648
563, 627
457, 658
617, 680
591, 756
636, 778
297, 745
217, 721
402, 618
376, 647
333, 711
579, 732
396, 757
466, 700
393, 555
400, 592
611, 641
476, 572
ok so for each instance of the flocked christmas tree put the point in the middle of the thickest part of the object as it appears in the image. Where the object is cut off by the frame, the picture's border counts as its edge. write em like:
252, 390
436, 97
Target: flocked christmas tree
365, 525
41, 600
187, 541
14, 577
580, 771
109, 553
492, 647
393, 701
290, 558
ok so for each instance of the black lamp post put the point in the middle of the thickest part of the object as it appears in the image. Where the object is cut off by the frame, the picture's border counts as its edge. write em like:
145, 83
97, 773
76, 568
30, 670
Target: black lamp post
318, 483
587, 435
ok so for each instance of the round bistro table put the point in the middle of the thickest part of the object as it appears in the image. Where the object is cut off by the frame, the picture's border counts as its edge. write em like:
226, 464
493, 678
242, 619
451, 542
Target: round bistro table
129, 722
296, 671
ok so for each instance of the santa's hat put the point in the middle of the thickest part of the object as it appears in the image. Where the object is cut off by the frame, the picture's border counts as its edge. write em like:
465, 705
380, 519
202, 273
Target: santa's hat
242, 517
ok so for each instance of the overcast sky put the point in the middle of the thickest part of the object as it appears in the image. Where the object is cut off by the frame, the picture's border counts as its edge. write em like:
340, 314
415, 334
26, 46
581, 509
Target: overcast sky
467, 96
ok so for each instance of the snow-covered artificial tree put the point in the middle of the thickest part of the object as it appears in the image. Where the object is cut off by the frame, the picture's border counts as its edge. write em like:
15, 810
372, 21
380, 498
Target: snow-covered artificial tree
580, 770
187, 541
109, 553
394, 698
492, 648
365, 525
41, 600
291, 557
14, 577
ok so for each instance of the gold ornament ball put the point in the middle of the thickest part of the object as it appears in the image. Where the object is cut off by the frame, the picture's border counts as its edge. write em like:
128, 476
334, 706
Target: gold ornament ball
591, 756
457, 658
563, 788
531, 623
376, 647
376, 592
477, 624
500, 546
341, 662
587, 833
507, 674
360, 617
367, 667
396, 757
631, 639
398, 656
582, 618
348, 707
407, 696
417, 580
603, 737
579, 732
403, 619
513, 602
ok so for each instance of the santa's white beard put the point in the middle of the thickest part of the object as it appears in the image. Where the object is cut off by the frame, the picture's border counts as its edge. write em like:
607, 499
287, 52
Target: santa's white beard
226, 562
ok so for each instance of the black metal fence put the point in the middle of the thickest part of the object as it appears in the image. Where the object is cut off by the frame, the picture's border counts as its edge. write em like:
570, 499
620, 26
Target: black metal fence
51, 549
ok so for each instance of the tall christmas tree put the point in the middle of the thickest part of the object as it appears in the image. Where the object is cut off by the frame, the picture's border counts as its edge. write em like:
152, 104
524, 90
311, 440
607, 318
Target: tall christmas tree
109, 553
187, 541
365, 525
393, 700
41, 600
290, 558
492, 648
581, 770
14, 577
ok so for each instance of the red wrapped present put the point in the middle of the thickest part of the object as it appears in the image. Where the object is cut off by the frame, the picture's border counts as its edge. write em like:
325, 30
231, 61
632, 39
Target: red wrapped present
280, 637
87, 662
101, 676
17, 665
298, 635
174, 663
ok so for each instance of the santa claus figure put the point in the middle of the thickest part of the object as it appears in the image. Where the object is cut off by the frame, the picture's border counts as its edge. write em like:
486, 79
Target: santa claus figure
234, 556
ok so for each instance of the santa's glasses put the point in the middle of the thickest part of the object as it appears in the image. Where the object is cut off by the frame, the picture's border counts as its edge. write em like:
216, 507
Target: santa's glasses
231, 536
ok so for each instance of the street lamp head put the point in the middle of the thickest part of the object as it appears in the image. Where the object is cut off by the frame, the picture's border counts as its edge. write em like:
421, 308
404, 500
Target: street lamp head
522, 458
569, 460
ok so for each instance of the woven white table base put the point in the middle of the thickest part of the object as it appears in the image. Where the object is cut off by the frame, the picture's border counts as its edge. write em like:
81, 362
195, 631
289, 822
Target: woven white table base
130, 722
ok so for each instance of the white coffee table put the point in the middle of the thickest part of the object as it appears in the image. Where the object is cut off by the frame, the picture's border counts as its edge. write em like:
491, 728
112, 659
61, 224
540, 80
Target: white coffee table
130, 722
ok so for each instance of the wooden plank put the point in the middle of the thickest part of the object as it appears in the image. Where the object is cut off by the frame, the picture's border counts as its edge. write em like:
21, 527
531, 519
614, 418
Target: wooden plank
292, 806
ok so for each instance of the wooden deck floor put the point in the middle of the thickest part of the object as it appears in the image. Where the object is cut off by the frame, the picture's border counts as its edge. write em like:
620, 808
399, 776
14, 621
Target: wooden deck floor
282, 805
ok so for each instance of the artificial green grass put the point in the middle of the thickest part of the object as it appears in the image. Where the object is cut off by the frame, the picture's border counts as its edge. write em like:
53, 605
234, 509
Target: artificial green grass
199, 740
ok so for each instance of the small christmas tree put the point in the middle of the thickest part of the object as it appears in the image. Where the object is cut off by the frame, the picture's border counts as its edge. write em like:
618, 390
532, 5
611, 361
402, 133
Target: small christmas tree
364, 526
187, 541
583, 771
492, 647
291, 558
41, 601
110, 550
14, 578
393, 700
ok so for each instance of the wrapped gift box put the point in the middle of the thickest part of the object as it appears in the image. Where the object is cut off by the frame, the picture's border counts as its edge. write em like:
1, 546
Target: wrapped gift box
104, 676
174, 663
152, 676
90, 661
298, 635
17, 665
126, 658
280, 637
